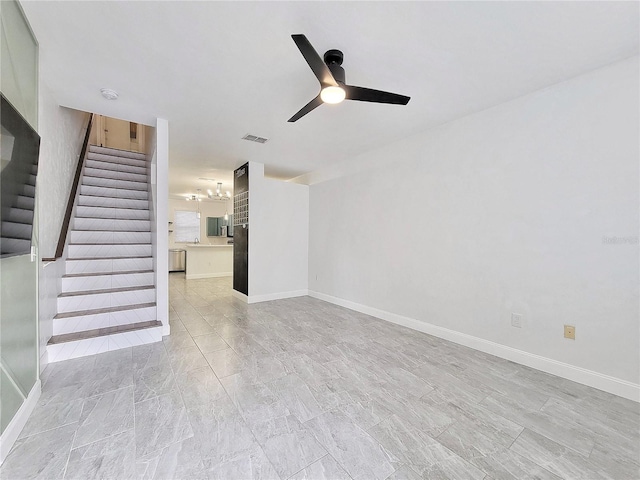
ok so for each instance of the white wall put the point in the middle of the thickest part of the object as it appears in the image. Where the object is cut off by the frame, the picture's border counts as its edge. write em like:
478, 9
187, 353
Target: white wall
208, 208
502, 211
158, 152
62, 132
278, 237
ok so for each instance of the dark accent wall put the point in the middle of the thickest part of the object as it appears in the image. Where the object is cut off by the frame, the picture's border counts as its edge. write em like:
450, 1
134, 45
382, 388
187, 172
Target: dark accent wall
241, 230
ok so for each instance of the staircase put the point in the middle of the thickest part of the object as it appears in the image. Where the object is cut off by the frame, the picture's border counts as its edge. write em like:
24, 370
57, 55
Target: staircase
108, 298
17, 220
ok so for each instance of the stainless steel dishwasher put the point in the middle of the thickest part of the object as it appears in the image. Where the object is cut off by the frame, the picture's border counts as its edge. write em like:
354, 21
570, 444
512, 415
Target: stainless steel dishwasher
177, 260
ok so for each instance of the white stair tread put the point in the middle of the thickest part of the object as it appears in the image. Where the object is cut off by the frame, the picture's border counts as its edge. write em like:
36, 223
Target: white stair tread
96, 311
105, 290
126, 272
115, 152
101, 332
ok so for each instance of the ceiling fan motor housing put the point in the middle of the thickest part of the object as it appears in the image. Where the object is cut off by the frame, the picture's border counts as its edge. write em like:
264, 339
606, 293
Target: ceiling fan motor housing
333, 59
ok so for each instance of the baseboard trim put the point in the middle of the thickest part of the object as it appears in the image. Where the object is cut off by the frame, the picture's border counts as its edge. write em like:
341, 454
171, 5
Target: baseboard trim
276, 296
270, 296
590, 378
44, 358
196, 276
240, 296
17, 423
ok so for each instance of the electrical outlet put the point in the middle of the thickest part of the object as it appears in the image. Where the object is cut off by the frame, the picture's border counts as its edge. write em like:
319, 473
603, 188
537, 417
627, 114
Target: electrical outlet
570, 332
516, 320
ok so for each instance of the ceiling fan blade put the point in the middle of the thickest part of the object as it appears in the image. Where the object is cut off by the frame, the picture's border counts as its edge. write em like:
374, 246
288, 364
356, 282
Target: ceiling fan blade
377, 96
316, 102
320, 69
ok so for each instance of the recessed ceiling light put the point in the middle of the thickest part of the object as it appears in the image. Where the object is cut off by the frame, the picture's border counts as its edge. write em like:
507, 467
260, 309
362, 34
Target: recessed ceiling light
109, 94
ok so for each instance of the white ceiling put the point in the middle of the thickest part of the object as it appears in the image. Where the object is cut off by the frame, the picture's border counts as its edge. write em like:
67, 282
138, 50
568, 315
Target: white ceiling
219, 70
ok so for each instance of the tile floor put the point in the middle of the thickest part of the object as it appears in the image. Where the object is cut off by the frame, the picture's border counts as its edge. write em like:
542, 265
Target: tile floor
302, 389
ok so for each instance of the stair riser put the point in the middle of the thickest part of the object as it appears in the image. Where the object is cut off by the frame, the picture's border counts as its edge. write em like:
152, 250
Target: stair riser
16, 230
113, 192
111, 183
108, 265
102, 251
112, 213
29, 191
99, 237
92, 346
19, 215
114, 153
111, 225
28, 203
117, 167
83, 323
15, 245
115, 175
105, 300
112, 202
101, 282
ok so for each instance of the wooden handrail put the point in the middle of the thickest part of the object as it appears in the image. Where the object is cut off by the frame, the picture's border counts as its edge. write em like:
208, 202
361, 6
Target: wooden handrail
72, 195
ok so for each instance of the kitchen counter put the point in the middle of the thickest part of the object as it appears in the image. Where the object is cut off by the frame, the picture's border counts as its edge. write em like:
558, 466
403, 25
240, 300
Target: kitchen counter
206, 261
206, 245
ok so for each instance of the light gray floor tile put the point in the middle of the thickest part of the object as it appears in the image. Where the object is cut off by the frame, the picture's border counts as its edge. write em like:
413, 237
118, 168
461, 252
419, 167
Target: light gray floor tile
554, 457
297, 396
177, 341
604, 430
50, 414
359, 454
247, 464
152, 381
554, 427
245, 344
211, 342
105, 415
40, 456
612, 464
409, 445
150, 355
198, 327
288, 445
383, 400
500, 429
489, 455
113, 457
254, 400
200, 386
366, 413
225, 362
453, 468
405, 473
324, 469
160, 421
176, 461
190, 358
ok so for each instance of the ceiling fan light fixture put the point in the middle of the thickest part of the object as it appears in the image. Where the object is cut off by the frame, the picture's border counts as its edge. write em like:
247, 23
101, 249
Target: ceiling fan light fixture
332, 94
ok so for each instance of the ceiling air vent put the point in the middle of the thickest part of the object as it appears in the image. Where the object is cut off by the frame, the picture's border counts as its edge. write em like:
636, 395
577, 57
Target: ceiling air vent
253, 138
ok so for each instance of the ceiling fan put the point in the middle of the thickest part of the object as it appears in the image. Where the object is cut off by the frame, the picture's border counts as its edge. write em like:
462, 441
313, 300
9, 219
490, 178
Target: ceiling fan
331, 76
